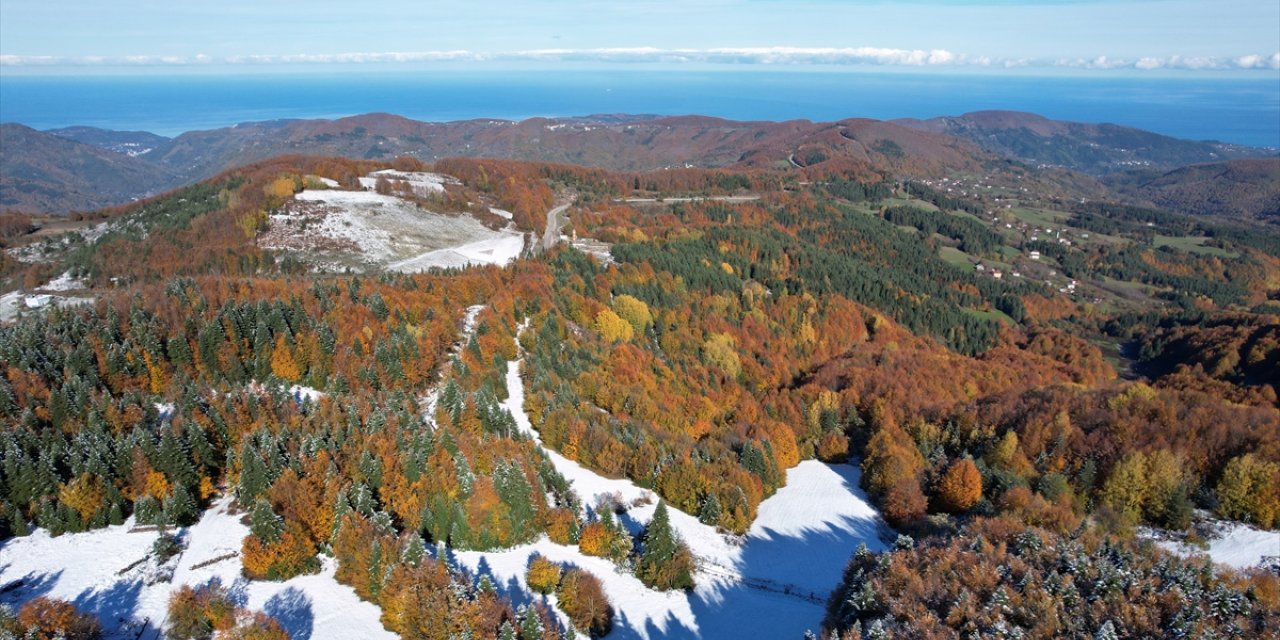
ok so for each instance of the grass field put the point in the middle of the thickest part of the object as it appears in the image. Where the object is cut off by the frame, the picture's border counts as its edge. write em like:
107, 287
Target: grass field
956, 258
1194, 244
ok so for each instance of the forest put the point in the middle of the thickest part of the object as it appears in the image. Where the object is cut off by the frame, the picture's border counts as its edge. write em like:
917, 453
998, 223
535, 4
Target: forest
721, 344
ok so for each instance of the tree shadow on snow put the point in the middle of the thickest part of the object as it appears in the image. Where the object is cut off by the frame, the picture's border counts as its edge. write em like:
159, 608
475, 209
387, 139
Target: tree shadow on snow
114, 605
292, 608
786, 579
16, 593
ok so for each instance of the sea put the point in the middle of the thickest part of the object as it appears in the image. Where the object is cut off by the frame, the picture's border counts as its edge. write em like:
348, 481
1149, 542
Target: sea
1243, 110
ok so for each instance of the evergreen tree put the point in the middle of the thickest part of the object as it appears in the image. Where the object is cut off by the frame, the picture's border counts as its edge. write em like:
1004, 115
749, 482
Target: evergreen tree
531, 627
414, 551
180, 507
665, 563
265, 523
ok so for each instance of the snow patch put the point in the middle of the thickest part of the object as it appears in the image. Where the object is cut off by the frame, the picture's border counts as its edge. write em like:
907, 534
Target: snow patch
64, 282
100, 571
360, 228
423, 183
1234, 544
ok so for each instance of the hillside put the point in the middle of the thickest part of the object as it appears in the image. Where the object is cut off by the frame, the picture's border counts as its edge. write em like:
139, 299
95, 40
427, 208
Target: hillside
42, 172
1236, 188
130, 143
482, 395
611, 142
1097, 149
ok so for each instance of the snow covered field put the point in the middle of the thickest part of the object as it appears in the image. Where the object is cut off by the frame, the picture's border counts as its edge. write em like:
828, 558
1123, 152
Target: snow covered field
359, 229
109, 572
1233, 544
423, 183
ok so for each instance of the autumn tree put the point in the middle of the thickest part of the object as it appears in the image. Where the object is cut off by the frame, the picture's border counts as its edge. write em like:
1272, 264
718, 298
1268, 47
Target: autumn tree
582, 598
45, 618
612, 327
543, 575
1250, 490
904, 503
960, 486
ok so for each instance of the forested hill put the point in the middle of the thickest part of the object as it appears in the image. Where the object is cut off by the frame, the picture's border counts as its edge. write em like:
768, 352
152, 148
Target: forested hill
46, 173
1097, 149
385, 369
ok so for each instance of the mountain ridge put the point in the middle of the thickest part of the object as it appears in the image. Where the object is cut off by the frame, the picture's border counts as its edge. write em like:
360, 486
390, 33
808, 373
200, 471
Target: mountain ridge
619, 142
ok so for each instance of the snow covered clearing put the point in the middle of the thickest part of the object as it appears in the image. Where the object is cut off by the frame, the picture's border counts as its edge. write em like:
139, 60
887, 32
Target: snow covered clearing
1233, 544
498, 251
358, 229
64, 282
771, 583
11, 306
423, 183
109, 572
18, 303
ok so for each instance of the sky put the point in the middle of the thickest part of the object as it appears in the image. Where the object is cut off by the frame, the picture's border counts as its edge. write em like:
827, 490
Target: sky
1094, 36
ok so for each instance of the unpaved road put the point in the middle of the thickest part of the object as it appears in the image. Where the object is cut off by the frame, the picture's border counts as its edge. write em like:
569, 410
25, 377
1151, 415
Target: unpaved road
555, 222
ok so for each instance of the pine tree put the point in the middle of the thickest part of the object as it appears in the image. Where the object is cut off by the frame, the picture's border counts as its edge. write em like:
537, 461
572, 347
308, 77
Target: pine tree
146, 510
531, 627
709, 513
506, 631
665, 563
265, 523
414, 551
180, 507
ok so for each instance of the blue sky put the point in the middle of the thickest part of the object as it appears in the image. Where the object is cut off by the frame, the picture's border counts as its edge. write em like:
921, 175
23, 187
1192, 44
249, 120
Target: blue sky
1237, 36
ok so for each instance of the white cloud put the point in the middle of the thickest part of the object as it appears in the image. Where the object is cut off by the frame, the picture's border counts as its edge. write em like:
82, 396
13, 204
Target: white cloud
774, 56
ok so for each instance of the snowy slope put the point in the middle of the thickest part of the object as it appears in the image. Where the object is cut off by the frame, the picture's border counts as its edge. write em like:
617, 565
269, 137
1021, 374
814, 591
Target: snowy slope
1233, 544
771, 583
97, 571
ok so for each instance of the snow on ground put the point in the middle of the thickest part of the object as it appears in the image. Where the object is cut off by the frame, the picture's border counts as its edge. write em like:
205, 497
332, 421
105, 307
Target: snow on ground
336, 229
502, 213
11, 305
18, 303
1233, 544
101, 572
771, 583
497, 251
423, 183
64, 282
432, 397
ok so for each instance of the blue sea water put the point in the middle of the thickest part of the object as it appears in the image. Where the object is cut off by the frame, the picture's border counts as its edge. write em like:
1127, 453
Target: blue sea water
1240, 110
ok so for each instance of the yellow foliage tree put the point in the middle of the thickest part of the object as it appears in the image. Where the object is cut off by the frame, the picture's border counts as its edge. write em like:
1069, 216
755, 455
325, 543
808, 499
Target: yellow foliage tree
1250, 490
543, 575
283, 363
595, 539
1125, 490
157, 485
84, 494
720, 351
612, 327
634, 311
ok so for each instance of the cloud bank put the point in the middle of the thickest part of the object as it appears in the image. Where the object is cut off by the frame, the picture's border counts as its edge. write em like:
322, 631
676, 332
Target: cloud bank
746, 56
